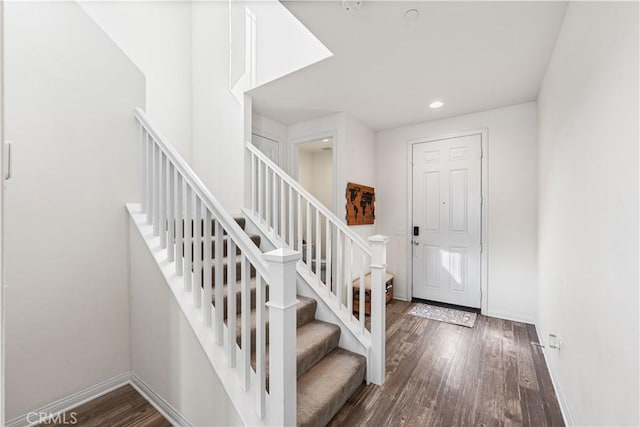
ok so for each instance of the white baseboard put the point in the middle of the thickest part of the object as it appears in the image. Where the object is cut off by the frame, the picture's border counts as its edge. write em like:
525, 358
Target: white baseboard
158, 402
564, 409
76, 399
71, 401
508, 316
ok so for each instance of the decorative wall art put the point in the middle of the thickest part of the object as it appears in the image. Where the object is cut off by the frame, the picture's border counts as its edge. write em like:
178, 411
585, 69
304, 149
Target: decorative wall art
360, 204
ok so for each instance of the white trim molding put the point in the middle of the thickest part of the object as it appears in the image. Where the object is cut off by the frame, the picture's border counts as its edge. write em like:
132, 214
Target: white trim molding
158, 402
484, 213
72, 401
90, 393
564, 408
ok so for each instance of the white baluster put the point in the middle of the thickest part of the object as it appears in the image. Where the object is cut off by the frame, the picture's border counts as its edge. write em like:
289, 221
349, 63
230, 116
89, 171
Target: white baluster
361, 292
274, 203
376, 368
260, 192
283, 209
291, 240
282, 336
198, 242
218, 283
158, 191
188, 239
267, 196
309, 243
260, 347
154, 181
163, 201
231, 303
149, 167
348, 276
299, 223
254, 185
171, 220
180, 224
328, 254
245, 320
143, 168
339, 266
318, 247
207, 268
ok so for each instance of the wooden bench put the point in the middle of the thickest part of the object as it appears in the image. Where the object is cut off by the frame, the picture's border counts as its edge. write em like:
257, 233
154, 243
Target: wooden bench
367, 292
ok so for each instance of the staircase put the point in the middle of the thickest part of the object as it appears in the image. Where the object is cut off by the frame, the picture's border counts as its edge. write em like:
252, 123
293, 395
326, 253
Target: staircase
327, 375
275, 351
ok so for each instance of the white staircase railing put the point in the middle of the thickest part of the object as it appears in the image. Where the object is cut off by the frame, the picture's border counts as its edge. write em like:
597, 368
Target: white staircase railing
191, 224
333, 256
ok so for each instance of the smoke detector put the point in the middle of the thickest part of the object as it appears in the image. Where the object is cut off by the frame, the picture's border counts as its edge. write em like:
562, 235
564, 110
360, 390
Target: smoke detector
350, 5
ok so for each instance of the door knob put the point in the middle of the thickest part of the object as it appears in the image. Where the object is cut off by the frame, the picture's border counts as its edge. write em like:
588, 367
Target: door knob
415, 242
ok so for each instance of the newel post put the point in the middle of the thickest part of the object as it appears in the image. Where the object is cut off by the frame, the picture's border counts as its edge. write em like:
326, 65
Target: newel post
378, 308
282, 336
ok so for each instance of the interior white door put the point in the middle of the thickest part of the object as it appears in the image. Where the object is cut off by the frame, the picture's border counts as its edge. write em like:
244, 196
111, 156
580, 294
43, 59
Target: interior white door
446, 233
270, 147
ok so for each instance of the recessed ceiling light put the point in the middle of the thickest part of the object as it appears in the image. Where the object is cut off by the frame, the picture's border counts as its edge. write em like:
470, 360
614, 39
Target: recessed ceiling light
436, 104
411, 14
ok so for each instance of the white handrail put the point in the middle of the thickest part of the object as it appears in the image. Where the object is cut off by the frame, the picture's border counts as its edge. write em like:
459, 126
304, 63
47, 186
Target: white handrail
232, 228
351, 280
191, 231
363, 244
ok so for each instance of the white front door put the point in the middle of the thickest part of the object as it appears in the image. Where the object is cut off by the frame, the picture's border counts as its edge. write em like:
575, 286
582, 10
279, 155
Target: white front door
446, 232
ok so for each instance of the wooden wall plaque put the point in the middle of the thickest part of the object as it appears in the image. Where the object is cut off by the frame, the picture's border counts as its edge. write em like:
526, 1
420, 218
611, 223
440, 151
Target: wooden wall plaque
361, 201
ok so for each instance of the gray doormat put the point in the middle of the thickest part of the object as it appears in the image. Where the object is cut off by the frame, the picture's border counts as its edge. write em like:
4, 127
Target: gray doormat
443, 314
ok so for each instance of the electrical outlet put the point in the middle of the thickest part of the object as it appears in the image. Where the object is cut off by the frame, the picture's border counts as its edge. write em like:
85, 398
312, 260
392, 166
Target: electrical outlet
554, 342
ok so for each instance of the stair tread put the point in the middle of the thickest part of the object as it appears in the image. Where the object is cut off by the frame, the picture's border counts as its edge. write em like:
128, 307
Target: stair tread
326, 387
304, 303
225, 288
314, 340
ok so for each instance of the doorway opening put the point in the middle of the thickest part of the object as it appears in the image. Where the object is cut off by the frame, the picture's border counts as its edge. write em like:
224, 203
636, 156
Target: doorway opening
316, 174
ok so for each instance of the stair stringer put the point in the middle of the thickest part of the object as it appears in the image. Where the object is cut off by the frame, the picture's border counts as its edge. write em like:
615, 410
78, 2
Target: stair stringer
351, 338
242, 400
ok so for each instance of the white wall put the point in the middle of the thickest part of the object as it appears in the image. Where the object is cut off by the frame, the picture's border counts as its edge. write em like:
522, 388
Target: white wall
275, 44
218, 118
360, 167
70, 95
285, 45
588, 228
165, 353
322, 177
511, 203
355, 147
156, 35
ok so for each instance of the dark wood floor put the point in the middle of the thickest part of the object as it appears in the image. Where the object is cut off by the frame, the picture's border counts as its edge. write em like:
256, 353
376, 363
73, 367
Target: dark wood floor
445, 375
437, 375
119, 408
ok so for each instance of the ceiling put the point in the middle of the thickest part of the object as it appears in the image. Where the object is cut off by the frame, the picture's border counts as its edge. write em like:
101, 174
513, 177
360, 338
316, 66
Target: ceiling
386, 70
316, 146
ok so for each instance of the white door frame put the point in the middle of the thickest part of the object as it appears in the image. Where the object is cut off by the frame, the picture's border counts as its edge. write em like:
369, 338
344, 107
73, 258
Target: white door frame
2, 176
293, 161
484, 244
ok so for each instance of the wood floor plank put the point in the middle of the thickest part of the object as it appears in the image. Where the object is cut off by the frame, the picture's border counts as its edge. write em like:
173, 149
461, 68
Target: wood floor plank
123, 407
445, 375
437, 375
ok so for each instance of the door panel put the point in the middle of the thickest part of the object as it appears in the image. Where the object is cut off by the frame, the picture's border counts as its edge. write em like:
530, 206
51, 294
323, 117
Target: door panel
447, 209
270, 147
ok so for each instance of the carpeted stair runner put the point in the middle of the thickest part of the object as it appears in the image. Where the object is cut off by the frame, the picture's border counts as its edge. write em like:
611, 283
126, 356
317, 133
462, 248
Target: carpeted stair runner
327, 374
